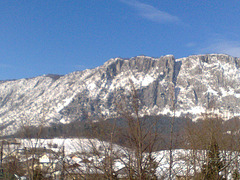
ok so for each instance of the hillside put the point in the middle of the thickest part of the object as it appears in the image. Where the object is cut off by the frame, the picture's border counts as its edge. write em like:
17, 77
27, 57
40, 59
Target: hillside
195, 83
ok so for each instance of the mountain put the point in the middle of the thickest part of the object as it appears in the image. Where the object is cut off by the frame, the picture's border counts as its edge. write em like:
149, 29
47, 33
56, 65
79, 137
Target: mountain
193, 84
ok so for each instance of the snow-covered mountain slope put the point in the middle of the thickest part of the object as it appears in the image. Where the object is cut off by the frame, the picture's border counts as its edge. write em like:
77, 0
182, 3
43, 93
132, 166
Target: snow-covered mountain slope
209, 82
195, 83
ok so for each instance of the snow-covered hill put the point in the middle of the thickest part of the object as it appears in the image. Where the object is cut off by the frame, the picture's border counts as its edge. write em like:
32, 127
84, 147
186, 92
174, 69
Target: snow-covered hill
195, 83
76, 150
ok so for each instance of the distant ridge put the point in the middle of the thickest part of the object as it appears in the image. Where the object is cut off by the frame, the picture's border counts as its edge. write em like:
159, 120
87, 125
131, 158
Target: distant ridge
196, 83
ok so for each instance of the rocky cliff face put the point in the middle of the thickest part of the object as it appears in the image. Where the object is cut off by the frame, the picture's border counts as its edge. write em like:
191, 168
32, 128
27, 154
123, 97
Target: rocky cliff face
209, 82
193, 84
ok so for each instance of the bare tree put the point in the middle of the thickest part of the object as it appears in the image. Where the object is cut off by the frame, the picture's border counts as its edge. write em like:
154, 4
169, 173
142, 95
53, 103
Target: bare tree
141, 137
137, 160
214, 147
33, 146
173, 100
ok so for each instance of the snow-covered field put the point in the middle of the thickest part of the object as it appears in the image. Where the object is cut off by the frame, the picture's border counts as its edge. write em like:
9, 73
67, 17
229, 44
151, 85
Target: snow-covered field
75, 149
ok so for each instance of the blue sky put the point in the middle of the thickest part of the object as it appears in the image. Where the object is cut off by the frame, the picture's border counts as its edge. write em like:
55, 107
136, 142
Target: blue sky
61, 36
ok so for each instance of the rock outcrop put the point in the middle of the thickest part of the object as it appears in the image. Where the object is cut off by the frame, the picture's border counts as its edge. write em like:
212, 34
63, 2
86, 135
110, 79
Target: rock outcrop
192, 85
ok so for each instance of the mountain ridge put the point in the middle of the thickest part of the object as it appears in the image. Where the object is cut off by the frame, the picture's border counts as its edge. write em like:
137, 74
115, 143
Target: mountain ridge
194, 83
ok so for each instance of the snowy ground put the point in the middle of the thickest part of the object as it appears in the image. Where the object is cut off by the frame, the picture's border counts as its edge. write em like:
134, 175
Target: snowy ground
182, 165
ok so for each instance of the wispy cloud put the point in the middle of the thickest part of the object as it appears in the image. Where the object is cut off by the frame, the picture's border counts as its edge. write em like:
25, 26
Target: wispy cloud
223, 46
151, 13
